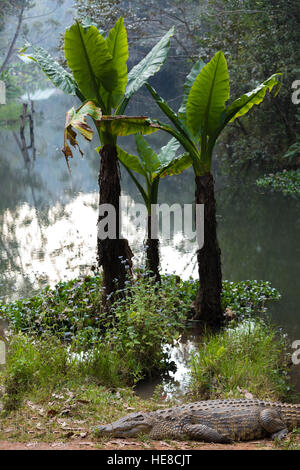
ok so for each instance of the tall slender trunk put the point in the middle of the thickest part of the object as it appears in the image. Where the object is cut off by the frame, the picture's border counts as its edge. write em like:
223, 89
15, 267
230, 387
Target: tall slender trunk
114, 255
208, 308
152, 250
14, 39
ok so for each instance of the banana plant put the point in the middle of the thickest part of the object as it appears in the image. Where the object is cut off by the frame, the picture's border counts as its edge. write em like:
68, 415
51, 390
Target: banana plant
152, 167
203, 115
98, 77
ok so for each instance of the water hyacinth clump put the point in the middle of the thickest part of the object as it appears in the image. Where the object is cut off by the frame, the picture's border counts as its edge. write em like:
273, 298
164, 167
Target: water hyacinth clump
73, 309
64, 310
248, 298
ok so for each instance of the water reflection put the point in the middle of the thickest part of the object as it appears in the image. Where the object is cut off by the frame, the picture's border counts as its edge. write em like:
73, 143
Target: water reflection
59, 242
259, 236
47, 246
175, 384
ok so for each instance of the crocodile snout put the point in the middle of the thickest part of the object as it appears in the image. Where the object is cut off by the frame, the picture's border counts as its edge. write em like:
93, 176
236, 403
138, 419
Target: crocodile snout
105, 429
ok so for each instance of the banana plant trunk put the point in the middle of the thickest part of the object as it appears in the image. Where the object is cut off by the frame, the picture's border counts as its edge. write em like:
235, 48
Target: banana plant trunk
208, 308
152, 250
114, 255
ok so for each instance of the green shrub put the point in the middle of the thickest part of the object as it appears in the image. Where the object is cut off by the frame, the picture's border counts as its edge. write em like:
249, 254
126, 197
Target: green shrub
248, 358
39, 365
144, 322
103, 366
33, 363
287, 181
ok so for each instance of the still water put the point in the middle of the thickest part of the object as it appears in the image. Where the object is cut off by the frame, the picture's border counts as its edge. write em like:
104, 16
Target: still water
48, 221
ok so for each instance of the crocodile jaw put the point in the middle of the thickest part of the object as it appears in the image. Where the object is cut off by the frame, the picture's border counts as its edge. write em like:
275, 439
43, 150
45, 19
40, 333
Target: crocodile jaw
110, 430
129, 426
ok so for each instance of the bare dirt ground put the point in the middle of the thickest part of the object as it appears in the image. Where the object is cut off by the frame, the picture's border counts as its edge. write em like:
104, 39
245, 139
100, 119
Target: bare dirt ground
131, 444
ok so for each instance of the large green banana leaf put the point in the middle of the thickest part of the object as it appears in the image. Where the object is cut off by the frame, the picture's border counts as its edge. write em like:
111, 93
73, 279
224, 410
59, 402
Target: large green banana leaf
131, 161
91, 62
126, 125
208, 95
189, 81
54, 71
118, 48
245, 102
99, 65
147, 156
145, 69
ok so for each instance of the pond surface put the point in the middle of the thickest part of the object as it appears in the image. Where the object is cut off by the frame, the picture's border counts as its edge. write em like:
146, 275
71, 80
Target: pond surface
48, 221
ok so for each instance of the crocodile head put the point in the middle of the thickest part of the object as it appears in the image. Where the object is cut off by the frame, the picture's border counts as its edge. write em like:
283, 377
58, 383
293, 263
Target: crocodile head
129, 426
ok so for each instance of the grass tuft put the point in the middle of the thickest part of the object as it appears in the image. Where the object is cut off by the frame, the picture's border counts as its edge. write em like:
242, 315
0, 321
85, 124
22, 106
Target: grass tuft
248, 359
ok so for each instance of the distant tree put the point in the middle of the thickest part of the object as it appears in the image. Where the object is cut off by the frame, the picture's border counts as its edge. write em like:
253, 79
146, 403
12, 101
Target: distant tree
16, 13
104, 13
150, 19
259, 38
18, 8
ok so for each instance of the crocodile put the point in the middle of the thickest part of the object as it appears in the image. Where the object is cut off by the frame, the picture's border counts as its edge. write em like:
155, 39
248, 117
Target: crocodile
219, 421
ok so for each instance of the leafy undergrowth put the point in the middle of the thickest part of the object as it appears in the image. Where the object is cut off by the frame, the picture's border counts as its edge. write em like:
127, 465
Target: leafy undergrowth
287, 181
249, 359
65, 310
48, 394
73, 309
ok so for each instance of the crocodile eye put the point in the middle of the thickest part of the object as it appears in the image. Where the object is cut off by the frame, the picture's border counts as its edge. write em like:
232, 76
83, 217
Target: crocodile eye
139, 417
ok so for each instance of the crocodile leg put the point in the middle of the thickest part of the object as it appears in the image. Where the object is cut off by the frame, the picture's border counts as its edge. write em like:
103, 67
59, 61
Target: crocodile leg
200, 432
273, 424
